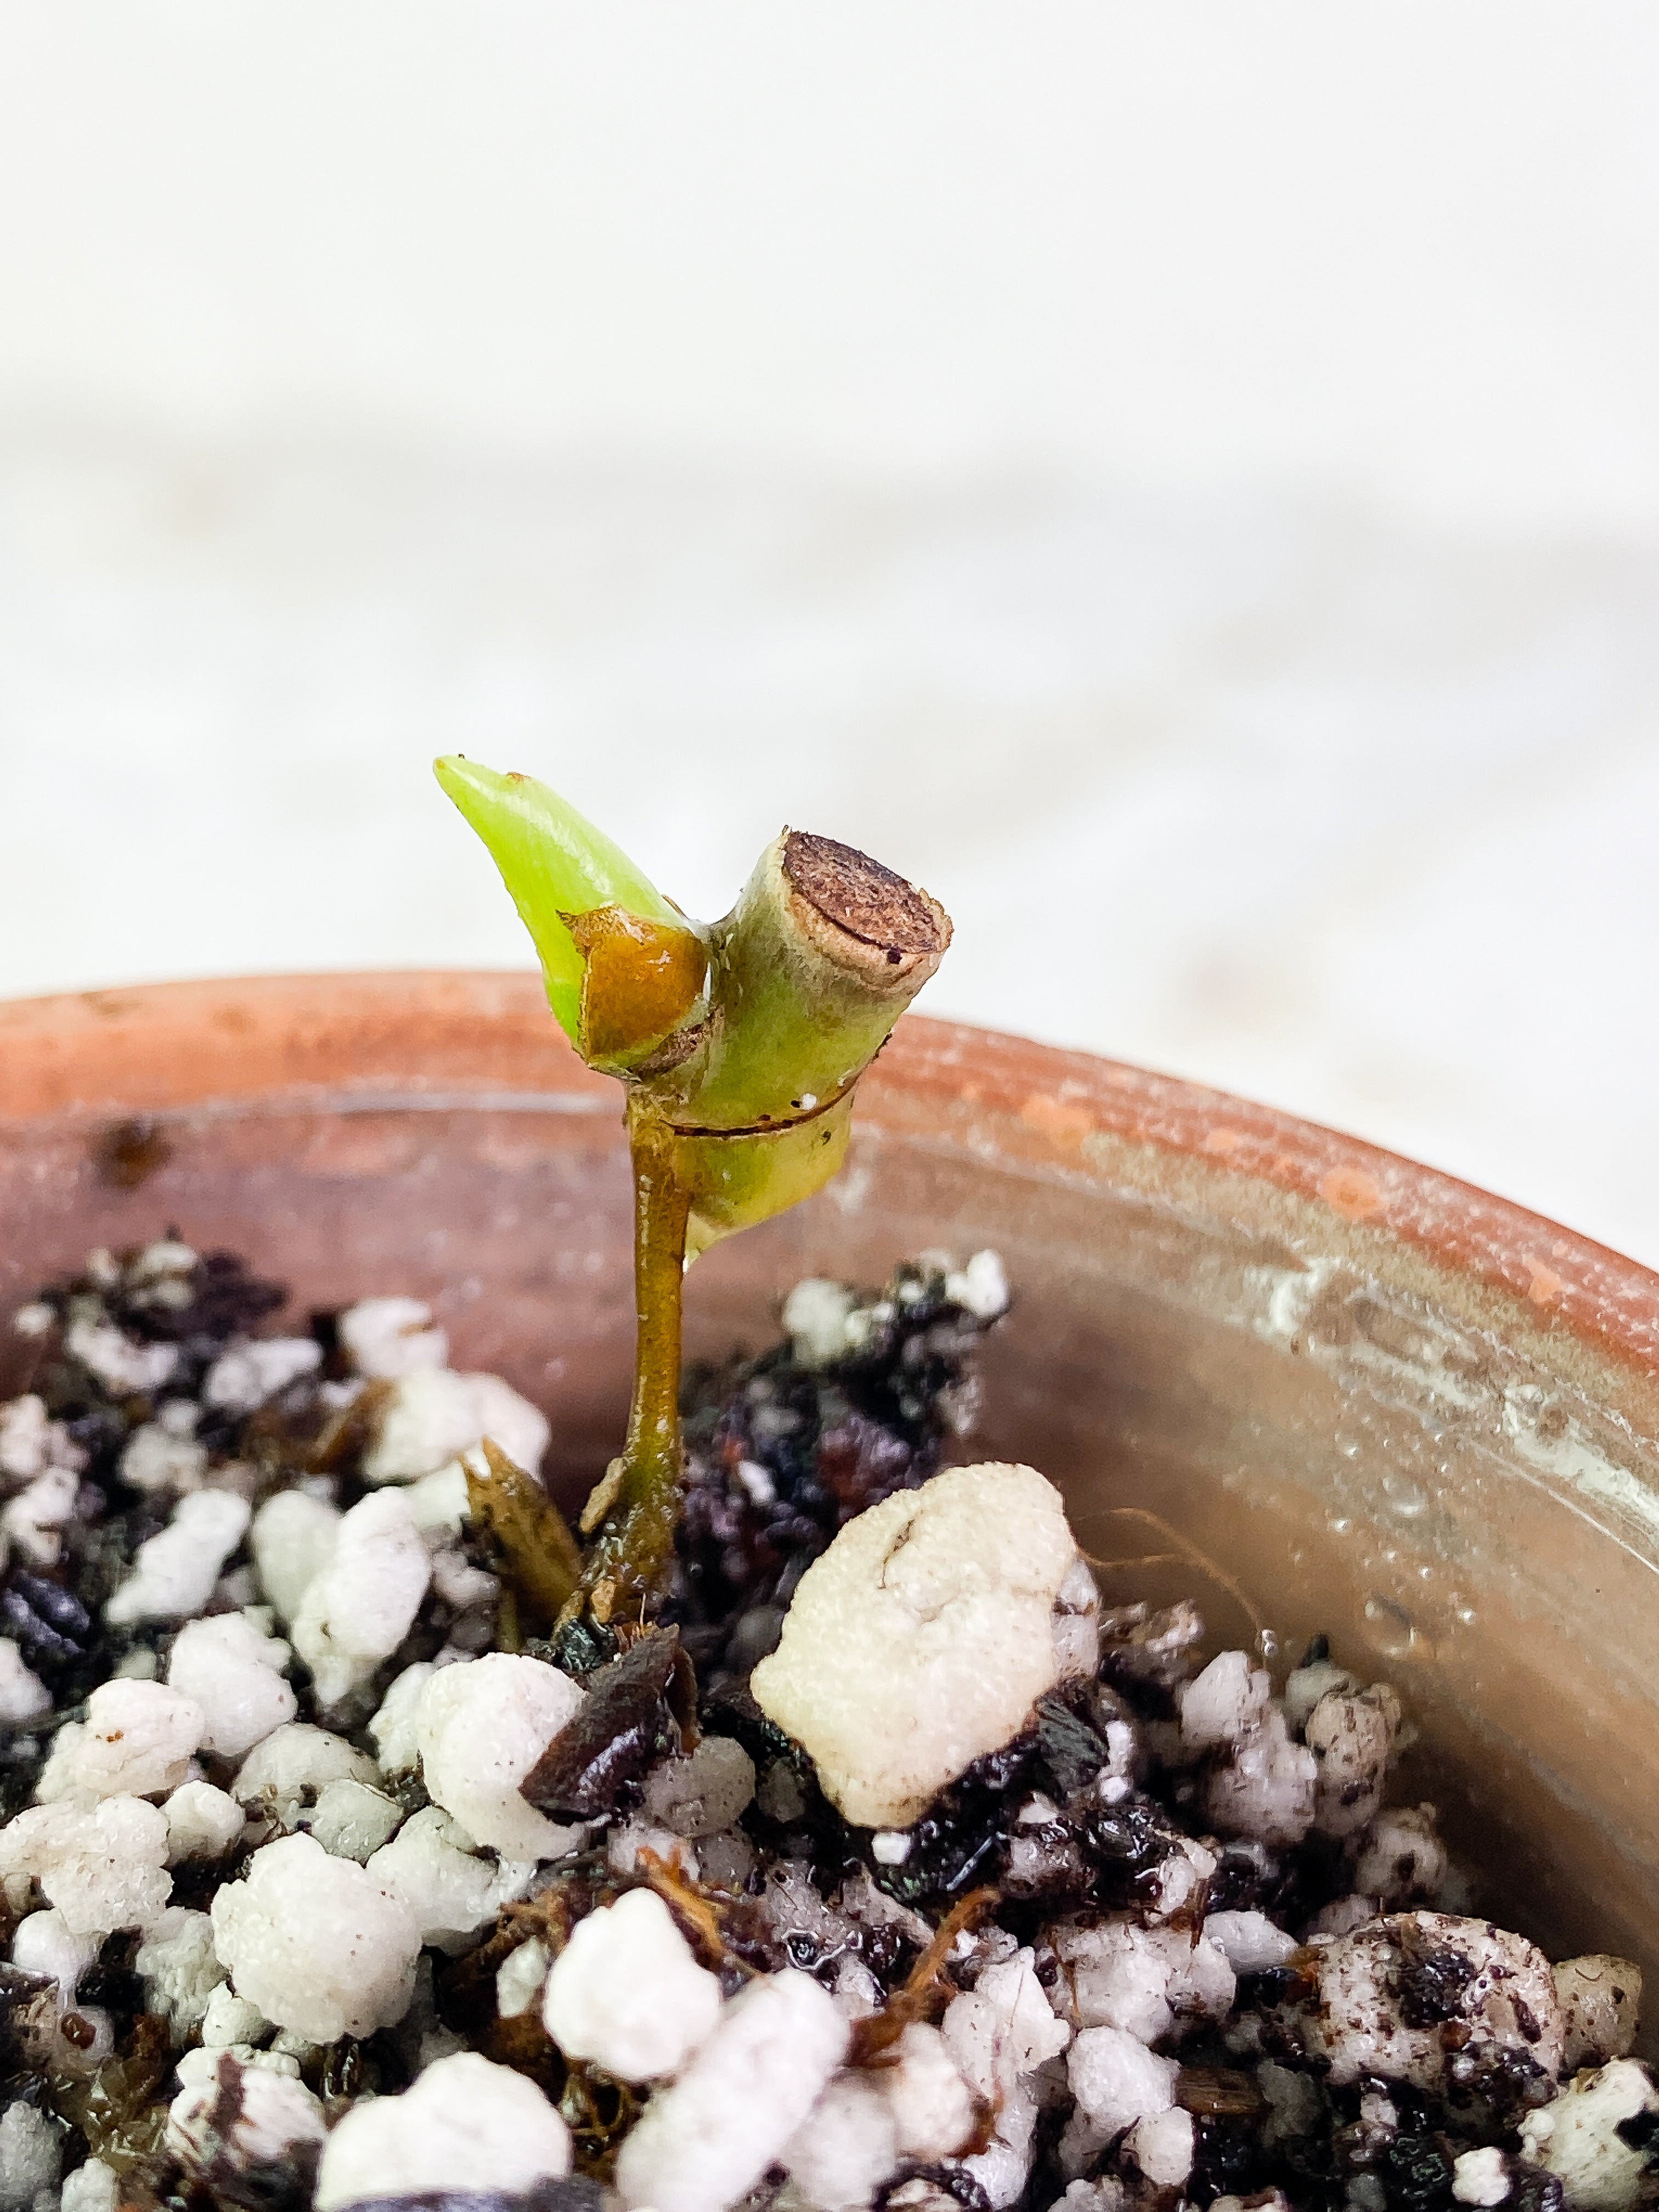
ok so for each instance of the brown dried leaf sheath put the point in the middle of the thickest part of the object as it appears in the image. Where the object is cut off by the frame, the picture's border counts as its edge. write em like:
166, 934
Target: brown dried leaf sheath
539, 1555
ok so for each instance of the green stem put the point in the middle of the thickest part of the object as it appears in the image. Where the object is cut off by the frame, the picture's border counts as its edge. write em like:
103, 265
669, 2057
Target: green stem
630, 1561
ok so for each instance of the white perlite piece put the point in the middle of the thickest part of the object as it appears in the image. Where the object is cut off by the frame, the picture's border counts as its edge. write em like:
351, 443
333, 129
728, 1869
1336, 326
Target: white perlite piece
701, 2144
462, 2125
30, 2157
1479, 2177
294, 1765
1356, 2019
30, 1523
1577, 2136
481, 1727
45, 1944
815, 1316
384, 1338
157, 1458
702, 1793
247, 1375
292, 1540
395, 1730
91, 2188
23, 1435
173, 1574
1267, 1788
124, 1367
921, 1638
1117, 2081
23, 1696
235, 1675
103, 1866
179, 1969
1004, 2026
432, 1415
1401, 1859
1249, 1941
1352, 1733
231, 2019
1162, 2147
137, 1740
846, 2147
245, 2116
358, 1609
629, 1838
352, 1820
626, 1993
1077, 1624
450, 1891
1601, 2000
934, 2110
197, 2066
1224, 1703
1120, 1974
519, 1977
316, 1942
982, 1287
440, 1501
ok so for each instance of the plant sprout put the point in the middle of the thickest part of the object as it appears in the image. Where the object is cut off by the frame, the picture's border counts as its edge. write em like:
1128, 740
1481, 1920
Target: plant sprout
738, 1043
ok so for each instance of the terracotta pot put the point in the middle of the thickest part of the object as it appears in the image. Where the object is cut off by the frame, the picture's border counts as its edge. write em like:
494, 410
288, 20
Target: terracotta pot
1316, 1386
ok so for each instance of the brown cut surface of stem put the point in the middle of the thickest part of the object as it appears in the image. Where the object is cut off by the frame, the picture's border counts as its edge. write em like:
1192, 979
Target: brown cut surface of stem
870, 903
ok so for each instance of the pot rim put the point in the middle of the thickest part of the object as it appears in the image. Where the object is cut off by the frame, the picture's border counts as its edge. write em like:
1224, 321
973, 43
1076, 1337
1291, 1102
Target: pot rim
484, 1038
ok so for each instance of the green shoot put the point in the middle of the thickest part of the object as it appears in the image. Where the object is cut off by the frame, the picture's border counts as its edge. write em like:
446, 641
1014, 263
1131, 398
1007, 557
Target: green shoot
739, 1043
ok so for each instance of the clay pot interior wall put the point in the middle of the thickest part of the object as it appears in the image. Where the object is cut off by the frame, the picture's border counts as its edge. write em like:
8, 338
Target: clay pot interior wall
1316, 1388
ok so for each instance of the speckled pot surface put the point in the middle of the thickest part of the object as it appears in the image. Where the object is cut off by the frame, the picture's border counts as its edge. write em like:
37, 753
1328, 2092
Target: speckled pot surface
1313, 1385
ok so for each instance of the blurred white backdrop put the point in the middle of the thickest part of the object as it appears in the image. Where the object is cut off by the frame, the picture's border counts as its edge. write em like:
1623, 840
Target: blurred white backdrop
1183, 483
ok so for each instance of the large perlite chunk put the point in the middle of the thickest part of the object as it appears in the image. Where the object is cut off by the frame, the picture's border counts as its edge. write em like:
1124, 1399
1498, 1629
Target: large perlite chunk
846, 2147
136, 1741
1386, 1996
316, 1942
626, 1993
465, 2126
358, 1608
431, 1416
451, 1892
1597, 2135
384, 1338
179, 1969
235, 1673
202, 1822
922, 1637
287, 1774
250, 1374
481, 1727
31, 2156
23, 1696
292, 1539
103, 1866
173, 1574
245, 2120
703, 2142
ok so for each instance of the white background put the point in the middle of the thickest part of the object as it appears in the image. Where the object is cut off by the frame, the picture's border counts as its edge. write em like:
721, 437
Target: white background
1183, 480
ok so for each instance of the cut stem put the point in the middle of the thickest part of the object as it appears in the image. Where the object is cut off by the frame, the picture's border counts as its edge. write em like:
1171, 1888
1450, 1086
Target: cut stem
739, 1043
